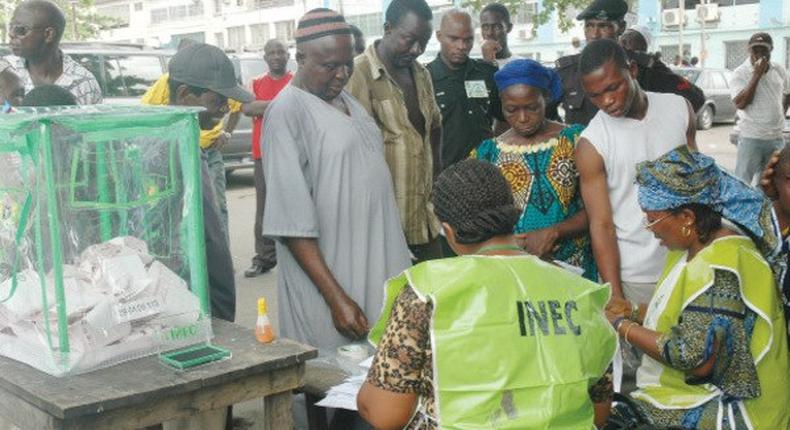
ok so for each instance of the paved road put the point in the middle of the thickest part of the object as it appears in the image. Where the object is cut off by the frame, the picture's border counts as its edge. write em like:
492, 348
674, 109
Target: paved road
241, 208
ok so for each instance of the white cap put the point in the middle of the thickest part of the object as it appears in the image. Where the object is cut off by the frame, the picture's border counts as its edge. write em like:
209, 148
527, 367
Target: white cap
645, 32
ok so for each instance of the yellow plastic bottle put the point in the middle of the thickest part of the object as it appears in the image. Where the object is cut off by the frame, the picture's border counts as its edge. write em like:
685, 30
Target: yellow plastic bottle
263, 327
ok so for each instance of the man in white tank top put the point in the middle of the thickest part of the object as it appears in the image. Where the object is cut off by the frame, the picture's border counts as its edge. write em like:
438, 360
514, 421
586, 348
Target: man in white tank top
631, 126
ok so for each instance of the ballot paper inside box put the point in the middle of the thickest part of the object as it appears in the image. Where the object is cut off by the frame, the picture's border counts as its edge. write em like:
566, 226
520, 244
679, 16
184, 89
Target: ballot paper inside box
102, 255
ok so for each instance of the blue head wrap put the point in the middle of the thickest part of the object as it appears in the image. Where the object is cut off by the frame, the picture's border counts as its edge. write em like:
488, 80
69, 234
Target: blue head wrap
682, 176
532, 73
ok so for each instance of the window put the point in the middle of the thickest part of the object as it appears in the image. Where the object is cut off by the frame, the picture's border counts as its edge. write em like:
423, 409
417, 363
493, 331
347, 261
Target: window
284, 30
175, 13
734, 2
668, 52
158, 15
735, 53
217, 7
371, 24
199, 37
717, 81
219, 40
119, 13
138, 6
526, 13
265, 4
92, 62
259, 34
236, 38
131, 76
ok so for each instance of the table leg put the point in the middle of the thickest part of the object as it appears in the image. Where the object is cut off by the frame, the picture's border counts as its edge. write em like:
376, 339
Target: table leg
277, 410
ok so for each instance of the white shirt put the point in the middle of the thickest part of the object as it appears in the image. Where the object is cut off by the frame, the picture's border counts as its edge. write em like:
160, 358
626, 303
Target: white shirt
764, 117
623, 143
75, 78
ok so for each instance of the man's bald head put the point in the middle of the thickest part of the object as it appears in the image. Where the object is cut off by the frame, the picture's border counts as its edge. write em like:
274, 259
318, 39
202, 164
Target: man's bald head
47, 14
276, 56
455, 17
456, 37
273, 44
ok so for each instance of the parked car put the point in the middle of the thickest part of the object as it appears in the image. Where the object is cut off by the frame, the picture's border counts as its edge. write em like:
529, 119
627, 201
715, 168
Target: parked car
126, 71
715, 83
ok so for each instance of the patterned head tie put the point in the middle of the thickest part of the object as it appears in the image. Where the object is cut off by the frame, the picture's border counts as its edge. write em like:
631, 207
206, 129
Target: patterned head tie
319, 23
532, 73
683, 176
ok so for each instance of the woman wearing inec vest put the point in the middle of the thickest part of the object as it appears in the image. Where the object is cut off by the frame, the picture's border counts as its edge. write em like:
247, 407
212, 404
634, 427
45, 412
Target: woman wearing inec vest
537, 158
494, 338
713, 334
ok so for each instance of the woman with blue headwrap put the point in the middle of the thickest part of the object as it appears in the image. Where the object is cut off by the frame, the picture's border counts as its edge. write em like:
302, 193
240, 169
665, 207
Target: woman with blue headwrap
537, 158
713, 335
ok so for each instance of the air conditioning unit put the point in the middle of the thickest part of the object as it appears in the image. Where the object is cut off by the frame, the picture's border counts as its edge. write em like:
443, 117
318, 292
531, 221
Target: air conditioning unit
708, 12
671, 18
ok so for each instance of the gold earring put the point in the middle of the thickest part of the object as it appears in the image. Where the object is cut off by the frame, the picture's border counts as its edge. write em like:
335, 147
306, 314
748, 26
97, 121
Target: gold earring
685, 230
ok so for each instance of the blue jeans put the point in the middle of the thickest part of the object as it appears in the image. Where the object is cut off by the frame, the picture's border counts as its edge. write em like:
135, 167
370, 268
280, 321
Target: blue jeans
216, 167
753, 154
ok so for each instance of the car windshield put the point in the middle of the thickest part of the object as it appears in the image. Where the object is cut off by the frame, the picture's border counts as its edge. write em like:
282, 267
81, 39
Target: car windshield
690, 74
251, 69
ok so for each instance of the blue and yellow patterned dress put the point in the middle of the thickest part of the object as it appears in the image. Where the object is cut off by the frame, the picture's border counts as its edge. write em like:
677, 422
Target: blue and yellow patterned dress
545, 185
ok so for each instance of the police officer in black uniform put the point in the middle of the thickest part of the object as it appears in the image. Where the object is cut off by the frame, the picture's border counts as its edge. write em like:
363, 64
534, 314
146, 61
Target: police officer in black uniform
604, 19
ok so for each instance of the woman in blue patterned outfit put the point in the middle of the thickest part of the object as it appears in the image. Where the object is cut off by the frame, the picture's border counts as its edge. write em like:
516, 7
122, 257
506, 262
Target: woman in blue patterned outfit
536, 157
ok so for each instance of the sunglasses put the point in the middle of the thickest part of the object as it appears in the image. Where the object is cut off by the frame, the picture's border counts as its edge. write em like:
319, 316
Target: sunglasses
649, 225
21, 30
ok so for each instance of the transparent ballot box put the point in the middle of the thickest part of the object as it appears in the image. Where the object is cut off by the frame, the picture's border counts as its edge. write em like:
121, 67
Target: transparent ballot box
102, 256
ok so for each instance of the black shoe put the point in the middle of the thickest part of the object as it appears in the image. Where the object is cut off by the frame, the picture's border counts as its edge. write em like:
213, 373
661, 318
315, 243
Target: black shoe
257, 269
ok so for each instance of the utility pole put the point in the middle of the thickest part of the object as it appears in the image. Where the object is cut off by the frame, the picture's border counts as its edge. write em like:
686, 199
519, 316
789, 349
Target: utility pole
74, 19
681, 17
702, 14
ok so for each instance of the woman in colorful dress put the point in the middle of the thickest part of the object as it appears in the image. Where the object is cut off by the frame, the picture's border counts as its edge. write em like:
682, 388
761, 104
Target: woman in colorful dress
713, 335
536, 157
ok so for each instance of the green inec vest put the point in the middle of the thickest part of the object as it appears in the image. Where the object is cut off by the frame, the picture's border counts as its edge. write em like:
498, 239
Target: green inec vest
666, 388
516, 341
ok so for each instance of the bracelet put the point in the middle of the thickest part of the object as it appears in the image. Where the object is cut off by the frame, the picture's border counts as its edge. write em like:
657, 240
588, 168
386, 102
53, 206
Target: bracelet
617, 323
634, 312
627, 330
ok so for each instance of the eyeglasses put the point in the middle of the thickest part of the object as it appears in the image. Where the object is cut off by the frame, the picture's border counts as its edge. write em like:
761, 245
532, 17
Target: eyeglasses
649, 225
21, 30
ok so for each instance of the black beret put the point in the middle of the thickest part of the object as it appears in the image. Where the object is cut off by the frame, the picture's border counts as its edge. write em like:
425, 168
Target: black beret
605, 10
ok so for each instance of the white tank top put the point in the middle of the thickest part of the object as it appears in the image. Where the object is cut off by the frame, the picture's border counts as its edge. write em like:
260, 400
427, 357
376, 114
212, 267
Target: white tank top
623, 143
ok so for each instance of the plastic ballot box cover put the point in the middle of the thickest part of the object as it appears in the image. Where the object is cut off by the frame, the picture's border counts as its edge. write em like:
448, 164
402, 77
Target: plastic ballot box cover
102, 257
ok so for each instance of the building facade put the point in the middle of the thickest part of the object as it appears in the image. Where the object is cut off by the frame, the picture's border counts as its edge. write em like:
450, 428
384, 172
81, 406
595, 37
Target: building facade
716, 31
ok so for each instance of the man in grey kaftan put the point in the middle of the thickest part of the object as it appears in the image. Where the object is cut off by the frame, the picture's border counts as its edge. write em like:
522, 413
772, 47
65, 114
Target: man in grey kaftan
327, 179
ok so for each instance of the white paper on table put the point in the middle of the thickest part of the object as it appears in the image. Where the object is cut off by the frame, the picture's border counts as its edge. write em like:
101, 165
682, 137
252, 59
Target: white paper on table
576, 270
343, 396
366, 363
617, 370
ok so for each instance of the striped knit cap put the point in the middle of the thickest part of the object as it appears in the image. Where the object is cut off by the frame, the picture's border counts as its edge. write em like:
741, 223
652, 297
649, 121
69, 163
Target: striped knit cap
320, 22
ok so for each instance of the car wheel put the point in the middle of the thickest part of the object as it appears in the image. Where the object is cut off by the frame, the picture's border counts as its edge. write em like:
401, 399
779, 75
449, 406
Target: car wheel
705, 118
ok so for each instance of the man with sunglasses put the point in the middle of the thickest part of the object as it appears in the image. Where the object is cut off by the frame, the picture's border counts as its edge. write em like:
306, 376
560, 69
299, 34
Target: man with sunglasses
35, 31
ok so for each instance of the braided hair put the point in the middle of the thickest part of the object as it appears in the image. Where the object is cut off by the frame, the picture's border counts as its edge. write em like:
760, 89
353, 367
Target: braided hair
475, 199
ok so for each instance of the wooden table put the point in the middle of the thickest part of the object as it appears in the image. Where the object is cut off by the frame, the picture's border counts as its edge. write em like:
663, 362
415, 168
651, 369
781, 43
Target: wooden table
145, 392
318, 379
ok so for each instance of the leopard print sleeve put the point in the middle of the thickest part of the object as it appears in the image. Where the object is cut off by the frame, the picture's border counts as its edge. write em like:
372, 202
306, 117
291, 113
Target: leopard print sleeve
402, 356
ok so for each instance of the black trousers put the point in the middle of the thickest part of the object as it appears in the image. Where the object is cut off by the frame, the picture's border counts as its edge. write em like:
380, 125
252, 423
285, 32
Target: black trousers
265, 253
